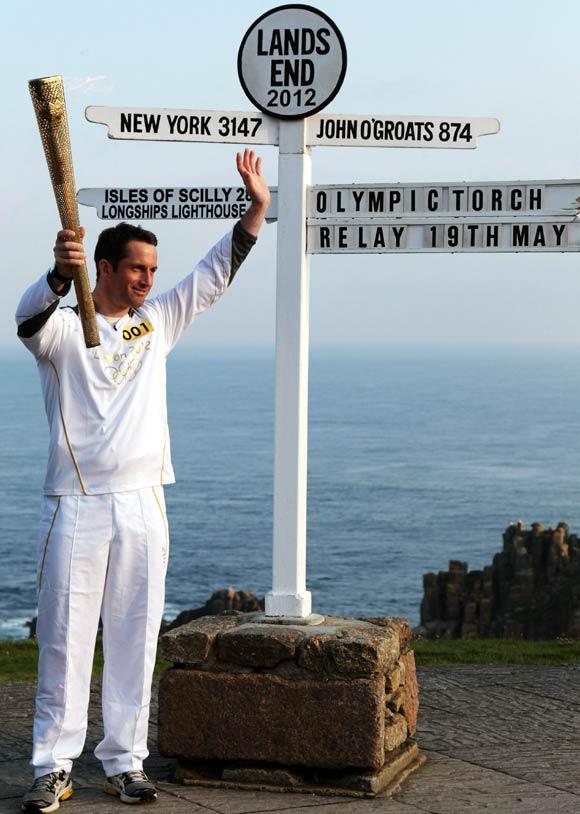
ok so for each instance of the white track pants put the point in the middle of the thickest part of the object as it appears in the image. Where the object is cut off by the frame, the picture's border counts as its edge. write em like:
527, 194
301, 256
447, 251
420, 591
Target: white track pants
98, 555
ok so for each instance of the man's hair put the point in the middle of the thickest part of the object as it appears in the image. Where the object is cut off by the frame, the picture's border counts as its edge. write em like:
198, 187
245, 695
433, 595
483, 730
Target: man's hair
112, 242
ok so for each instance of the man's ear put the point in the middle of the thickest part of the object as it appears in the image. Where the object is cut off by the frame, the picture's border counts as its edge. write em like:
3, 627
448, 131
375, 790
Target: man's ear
105, 267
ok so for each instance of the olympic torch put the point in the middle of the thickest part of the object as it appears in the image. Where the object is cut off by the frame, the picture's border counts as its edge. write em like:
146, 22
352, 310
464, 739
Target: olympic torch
50, 108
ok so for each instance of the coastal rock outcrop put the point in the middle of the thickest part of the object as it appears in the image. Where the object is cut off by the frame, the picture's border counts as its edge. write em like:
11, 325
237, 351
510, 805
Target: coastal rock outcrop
531, 590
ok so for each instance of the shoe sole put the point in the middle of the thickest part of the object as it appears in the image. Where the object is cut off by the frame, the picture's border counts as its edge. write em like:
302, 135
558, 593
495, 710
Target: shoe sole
148, 796
32, 808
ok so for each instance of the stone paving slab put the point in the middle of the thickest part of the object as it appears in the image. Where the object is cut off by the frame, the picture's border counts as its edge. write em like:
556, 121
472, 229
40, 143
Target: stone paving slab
227, 801
93, 801
448, 786
253, 802
497, 739
506, 707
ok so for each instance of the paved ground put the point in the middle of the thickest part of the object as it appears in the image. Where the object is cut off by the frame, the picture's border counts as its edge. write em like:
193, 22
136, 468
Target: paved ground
497, 739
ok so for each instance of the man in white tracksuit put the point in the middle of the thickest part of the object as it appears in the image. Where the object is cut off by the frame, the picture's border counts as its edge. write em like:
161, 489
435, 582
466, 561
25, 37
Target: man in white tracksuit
103, 541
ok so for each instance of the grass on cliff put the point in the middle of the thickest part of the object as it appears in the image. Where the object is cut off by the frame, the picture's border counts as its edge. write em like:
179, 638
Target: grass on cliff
550, 653
18, 658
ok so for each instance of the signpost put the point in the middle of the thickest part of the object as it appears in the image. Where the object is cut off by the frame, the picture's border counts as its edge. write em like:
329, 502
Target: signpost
506, 216
380, 235
172, 203
340, 130
379, 130
291, 64
169, 124
486, 199
292, 61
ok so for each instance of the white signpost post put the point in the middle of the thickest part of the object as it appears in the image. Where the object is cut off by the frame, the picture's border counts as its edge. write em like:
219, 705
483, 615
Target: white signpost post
291, 64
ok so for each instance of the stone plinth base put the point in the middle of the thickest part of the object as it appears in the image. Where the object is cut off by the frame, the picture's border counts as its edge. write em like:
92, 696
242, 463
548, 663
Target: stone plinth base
400, 764
288, 706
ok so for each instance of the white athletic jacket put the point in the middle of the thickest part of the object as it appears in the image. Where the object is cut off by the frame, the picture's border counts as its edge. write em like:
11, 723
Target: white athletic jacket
106, 406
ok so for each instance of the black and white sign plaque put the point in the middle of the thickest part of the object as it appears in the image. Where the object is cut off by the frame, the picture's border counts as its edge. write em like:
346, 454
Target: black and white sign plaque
292, 61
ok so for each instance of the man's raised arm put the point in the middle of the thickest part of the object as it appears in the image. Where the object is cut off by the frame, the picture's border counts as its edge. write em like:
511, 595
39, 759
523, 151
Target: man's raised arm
212, 276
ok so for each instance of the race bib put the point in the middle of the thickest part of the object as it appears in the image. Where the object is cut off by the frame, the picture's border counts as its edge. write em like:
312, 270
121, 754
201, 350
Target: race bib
133, 332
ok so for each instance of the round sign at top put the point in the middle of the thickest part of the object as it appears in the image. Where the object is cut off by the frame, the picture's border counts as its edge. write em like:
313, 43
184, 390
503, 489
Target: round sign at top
292, 61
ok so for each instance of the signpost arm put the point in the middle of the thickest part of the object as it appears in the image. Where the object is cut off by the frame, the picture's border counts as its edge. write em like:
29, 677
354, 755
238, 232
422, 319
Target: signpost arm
289, 596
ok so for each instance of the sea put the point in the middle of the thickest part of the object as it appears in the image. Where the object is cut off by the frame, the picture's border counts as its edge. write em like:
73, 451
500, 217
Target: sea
417, 455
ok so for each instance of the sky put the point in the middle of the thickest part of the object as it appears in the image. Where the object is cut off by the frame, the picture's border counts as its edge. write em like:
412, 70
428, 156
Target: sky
515, 60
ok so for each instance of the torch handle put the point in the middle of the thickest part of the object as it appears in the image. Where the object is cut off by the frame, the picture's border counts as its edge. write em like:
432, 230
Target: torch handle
69, 219
86, 307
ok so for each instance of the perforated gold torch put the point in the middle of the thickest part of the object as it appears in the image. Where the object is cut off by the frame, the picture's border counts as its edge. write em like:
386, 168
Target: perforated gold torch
50, 108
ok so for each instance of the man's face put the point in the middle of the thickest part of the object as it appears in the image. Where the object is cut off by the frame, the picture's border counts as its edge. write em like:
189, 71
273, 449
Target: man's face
133, 279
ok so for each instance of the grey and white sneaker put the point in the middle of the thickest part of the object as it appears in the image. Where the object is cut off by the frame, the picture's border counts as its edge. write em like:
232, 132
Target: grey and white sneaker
132, 787
46, 793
